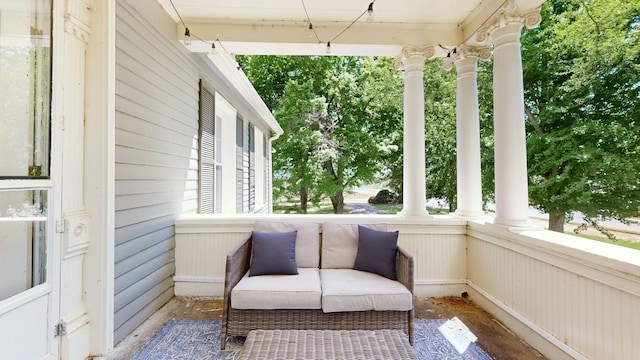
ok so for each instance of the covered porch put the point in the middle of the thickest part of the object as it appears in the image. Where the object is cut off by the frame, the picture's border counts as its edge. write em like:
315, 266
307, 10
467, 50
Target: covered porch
125, 229
566, 298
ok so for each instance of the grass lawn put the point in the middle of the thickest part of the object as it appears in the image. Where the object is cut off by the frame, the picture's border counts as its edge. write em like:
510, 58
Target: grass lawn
294, 208
629, 244
327, 208
396, 208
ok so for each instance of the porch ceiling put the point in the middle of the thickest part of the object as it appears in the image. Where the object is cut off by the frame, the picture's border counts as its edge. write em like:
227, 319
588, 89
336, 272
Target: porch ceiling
280, 27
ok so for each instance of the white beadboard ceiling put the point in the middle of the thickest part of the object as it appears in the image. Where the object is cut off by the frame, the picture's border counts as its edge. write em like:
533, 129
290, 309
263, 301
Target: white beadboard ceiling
281, 26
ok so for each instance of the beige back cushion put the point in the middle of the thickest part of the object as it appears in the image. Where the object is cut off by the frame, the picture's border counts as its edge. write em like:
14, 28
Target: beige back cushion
307, 240
340, 244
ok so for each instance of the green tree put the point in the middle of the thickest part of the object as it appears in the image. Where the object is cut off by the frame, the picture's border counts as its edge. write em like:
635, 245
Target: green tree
295, 172
582, 94
349, 151
440, 132
384, 85
331, 120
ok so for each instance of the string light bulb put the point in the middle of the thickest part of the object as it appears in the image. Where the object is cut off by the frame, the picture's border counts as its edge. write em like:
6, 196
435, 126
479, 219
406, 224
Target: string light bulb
213, 50
310, 32
370, 12
187, 36
328, 50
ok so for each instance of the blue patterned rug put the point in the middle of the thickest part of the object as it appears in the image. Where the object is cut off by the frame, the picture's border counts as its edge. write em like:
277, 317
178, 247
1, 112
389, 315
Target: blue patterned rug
200, 340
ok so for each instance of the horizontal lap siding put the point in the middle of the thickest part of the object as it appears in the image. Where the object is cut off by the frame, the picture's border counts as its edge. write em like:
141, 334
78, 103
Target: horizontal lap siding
156, 161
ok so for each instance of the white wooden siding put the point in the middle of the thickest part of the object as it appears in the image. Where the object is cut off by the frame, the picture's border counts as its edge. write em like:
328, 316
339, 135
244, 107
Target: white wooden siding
156, 169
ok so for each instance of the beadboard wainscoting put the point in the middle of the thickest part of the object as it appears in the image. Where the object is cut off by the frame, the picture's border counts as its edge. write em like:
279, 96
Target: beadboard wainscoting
202, 243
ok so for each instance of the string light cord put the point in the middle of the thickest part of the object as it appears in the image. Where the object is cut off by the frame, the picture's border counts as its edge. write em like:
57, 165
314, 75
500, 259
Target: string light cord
177, 13
304, 6
189, 34
353, 22
369, 8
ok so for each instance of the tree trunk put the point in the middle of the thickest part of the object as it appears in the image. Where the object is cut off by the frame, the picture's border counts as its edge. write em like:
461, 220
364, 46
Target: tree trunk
556, 222
304, 198
337, 201
452, 203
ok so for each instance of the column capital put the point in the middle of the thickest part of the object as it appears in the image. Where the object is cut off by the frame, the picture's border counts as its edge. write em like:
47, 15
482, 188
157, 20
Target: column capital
465, 52
426, 52
508, 15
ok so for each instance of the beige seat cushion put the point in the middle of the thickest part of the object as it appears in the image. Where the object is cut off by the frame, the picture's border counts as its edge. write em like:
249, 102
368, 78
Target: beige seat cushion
340, 244
307, 240
353, 290
269, 292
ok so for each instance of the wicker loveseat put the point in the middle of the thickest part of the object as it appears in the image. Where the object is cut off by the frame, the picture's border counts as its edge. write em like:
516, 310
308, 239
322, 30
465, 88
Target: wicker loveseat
342, 299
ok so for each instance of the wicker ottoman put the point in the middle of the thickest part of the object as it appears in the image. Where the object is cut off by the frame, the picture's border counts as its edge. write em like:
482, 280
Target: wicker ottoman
327, 345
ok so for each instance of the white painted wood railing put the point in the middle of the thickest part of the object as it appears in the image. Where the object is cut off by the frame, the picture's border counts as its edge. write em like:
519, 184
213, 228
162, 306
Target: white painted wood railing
568, 297
203, 242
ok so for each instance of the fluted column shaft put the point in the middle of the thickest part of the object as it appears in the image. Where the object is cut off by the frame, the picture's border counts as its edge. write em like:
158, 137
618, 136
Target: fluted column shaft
414, 185
511, 185
469, 180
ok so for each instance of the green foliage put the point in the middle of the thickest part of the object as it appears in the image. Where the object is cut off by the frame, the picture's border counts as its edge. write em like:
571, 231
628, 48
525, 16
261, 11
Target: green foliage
343, 116
440, 132
487, 155
582, 93
333, 115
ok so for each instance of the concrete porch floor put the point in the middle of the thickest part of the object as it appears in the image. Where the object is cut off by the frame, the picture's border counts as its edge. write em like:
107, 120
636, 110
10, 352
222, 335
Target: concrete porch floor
493, 337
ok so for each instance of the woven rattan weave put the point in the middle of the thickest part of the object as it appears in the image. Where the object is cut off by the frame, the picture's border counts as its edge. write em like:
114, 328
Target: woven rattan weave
327, 345
238, 322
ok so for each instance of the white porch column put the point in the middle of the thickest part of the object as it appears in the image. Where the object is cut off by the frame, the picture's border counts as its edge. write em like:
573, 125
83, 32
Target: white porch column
511, 179
469, 180
414, 185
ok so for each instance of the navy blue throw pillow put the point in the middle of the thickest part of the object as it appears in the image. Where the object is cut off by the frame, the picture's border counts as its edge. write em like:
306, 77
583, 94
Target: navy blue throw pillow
273, 253
377, 252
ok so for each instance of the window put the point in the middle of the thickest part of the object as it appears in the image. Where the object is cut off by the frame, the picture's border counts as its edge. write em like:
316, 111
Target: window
23, 240
25, 74
25, 68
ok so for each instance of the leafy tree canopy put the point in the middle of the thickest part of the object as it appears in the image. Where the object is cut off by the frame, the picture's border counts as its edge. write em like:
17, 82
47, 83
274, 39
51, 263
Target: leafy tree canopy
582, 92
337, 125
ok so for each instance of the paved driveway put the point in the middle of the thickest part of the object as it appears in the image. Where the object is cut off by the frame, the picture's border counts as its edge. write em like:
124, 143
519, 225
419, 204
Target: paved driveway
363, 208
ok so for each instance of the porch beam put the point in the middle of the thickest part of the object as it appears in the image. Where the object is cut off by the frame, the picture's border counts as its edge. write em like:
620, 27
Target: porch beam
290, 38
